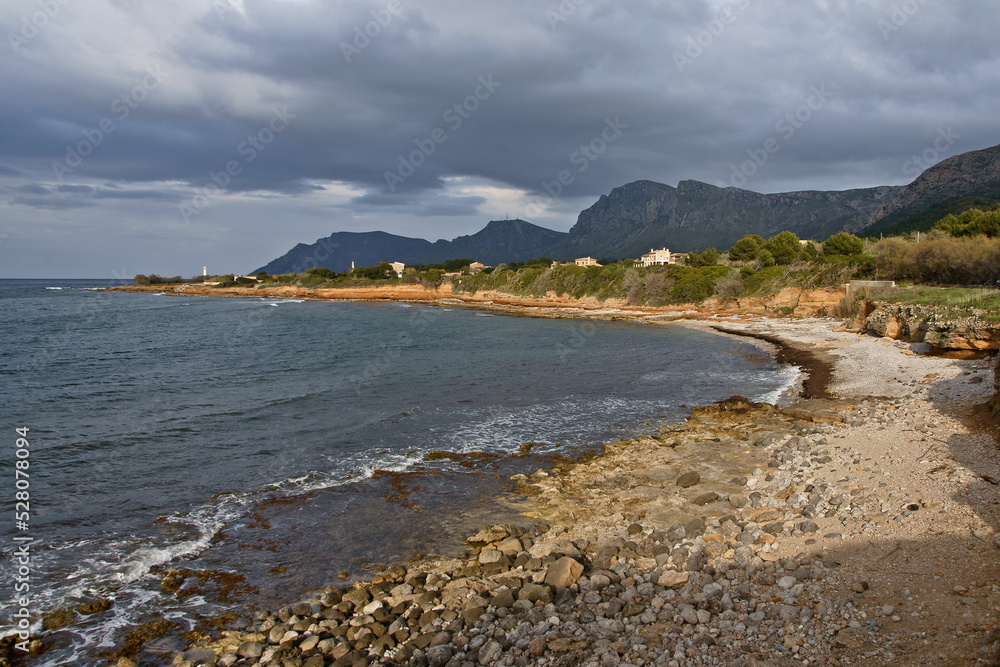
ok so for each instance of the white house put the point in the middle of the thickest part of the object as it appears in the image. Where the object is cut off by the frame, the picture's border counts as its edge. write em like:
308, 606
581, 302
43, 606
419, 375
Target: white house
398, 268
587, 261
656, 258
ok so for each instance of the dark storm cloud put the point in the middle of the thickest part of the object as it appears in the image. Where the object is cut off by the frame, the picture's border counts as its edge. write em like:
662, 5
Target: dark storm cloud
432, 117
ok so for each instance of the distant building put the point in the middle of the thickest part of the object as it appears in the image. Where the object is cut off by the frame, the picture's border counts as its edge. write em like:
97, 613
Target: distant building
587, 261
656, 258
555, 264
398, 268
476, 267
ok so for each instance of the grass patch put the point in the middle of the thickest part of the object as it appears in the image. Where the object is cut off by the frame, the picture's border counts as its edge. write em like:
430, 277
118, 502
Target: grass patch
986, 301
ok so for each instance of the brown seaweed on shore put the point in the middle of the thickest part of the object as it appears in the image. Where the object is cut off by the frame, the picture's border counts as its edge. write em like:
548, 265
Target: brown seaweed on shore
816, 366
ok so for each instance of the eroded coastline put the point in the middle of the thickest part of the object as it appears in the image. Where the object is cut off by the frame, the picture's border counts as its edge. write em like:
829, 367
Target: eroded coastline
604, 522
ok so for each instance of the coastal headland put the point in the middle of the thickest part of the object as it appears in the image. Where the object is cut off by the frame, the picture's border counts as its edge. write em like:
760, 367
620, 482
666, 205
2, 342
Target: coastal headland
857, 525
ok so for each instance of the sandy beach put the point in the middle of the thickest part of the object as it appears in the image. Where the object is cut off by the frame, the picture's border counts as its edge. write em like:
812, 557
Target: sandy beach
856, 526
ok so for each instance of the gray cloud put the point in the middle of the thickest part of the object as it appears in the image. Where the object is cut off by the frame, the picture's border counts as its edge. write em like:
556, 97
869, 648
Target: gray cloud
276, 122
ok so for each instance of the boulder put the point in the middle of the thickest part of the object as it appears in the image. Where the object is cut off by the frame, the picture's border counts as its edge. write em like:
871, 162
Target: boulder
564, 572
510, 547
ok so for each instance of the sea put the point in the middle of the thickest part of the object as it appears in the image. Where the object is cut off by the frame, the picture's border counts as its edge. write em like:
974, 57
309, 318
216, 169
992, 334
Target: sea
266, 448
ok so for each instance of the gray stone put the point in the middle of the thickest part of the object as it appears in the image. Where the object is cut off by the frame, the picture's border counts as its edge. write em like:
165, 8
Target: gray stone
490, 653
689, 615
738, 500
787, 582
438, 656
504, 598
787, 612
808, 527
713, 590
774, 528
688, 479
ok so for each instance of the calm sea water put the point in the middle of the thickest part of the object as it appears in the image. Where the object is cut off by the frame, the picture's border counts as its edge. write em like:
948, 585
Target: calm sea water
287, 442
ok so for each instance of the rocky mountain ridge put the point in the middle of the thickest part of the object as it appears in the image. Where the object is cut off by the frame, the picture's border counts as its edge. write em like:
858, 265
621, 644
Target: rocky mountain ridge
637, 216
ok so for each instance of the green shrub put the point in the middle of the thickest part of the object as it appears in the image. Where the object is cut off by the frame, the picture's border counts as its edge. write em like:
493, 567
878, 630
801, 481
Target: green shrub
784, 247
843, 244
747, 248
973, 222
709, 257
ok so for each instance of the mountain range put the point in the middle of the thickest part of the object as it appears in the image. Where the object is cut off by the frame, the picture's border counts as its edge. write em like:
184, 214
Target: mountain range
635, 217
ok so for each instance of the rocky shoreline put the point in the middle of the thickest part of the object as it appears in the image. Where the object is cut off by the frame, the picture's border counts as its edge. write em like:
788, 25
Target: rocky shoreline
834, 531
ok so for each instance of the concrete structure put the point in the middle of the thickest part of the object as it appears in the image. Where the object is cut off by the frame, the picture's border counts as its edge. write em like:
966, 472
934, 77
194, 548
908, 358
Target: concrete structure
587, 261
659, 257
398, 268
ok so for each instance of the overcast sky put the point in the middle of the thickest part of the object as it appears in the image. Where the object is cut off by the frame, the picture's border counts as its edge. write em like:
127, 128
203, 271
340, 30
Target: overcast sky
154, 136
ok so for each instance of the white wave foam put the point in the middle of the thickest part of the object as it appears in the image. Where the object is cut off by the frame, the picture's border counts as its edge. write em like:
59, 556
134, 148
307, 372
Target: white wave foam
791, 375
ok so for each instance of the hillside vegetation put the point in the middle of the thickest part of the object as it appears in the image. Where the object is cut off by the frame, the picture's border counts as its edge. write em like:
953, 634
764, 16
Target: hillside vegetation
962, 250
